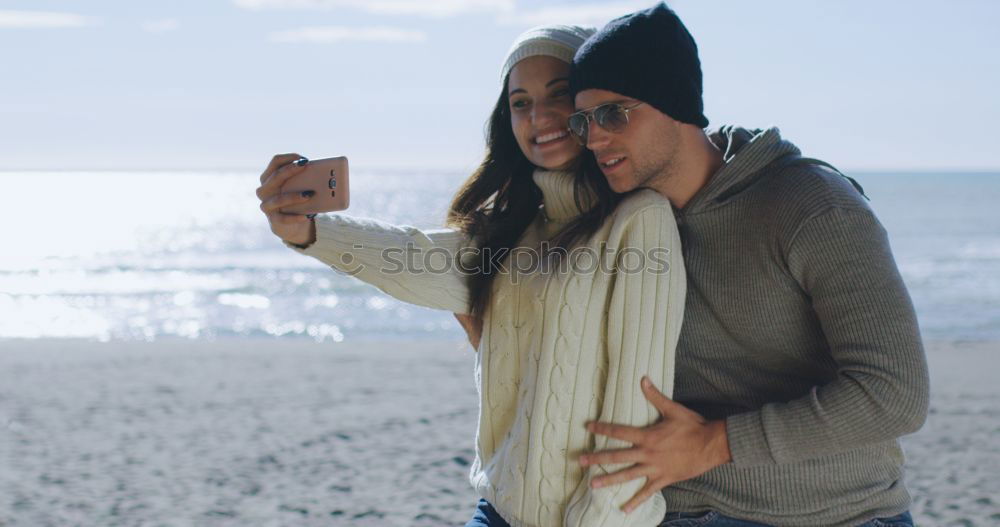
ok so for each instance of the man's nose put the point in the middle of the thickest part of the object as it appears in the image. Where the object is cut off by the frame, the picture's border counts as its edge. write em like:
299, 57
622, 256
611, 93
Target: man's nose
597, 137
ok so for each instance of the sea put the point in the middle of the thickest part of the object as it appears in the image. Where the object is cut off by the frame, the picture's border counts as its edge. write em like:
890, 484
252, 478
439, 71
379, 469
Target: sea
142, 255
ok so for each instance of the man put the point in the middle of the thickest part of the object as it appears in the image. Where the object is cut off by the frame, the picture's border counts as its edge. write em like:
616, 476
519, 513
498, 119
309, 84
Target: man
800, 362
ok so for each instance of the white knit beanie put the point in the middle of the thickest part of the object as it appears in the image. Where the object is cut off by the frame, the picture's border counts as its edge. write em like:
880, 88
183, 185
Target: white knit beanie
556, 41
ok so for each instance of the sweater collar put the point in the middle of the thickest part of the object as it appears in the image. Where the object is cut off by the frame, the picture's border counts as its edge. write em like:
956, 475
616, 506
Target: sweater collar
745, 153
557, 194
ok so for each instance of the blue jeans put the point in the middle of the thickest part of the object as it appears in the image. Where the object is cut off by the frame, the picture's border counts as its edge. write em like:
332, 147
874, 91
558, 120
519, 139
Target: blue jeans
486, 516
714, 519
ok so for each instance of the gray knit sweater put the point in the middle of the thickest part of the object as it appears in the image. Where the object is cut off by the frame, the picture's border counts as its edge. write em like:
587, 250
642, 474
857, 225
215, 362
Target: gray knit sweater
798, 331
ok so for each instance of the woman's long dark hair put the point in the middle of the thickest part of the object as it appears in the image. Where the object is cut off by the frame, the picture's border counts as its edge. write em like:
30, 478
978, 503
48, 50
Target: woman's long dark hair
500, 199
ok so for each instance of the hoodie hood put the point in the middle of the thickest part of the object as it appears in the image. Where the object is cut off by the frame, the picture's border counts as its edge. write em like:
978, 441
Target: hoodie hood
745, 153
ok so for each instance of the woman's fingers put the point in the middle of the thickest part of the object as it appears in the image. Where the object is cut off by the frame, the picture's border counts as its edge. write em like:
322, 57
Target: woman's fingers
278, 178
287, 226
272, 204
273, 180
291, 219
277, 161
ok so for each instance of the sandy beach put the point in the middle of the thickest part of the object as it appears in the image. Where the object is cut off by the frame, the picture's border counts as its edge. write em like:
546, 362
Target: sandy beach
291, 432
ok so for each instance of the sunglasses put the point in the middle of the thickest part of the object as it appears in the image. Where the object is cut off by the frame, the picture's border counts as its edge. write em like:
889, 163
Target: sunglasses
611, 116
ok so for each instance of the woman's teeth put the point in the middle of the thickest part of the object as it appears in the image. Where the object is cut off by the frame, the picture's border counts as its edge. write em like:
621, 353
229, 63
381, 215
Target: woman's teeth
548, 138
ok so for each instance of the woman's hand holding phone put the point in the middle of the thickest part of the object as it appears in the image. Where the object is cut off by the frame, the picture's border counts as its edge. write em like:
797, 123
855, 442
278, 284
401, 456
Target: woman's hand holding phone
293, 228
329, 179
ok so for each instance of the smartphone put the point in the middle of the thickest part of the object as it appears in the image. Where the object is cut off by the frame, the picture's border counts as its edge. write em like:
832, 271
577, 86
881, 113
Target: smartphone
329, 178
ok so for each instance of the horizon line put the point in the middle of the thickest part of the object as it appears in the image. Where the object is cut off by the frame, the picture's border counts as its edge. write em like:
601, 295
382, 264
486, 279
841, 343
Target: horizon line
453, 168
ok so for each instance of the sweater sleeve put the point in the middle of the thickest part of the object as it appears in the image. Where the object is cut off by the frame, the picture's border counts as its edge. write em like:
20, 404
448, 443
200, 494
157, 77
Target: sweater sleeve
842, 260
417, 266
645, 310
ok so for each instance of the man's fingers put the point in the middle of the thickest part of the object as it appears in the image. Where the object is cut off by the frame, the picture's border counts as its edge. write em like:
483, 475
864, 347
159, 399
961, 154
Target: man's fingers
621, 476
605, 457
277, 161
647, 491
661, 402
628, 433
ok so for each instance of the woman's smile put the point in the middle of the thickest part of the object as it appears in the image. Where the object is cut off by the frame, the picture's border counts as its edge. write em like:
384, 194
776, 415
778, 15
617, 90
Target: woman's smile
550, 139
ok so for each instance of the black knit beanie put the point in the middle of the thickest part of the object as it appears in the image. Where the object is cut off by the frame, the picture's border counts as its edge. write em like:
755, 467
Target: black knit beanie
647, 55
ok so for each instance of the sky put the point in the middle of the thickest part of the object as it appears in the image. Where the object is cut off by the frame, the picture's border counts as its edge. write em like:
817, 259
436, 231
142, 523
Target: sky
401, 84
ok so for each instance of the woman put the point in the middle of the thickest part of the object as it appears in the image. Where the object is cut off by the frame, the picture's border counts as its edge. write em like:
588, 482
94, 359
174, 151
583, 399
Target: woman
565, 340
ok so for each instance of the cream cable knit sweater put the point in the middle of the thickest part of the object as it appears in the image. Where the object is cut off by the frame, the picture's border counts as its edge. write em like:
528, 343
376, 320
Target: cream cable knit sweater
559, 348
